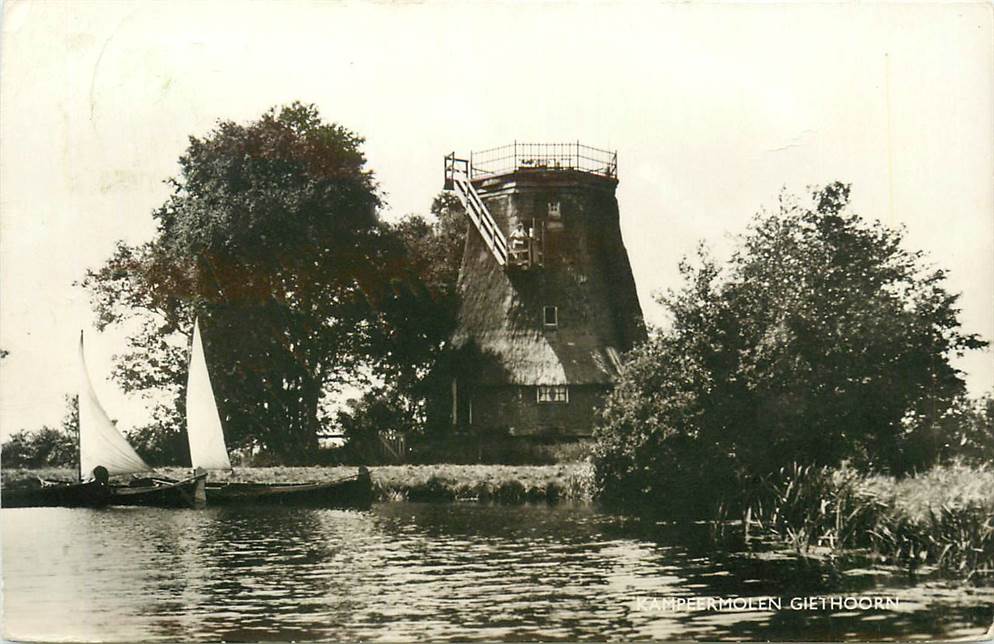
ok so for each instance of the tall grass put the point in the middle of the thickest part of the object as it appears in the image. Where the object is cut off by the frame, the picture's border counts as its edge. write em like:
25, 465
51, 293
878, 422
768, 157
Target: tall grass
499, 483
943, 517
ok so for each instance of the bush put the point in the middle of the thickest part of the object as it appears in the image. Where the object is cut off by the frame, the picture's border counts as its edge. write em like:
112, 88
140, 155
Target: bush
821, 341
46, 447
161, 444
966, 432
652, 450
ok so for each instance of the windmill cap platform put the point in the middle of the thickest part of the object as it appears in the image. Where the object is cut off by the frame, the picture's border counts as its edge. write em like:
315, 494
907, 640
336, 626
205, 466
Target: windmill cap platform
517, 157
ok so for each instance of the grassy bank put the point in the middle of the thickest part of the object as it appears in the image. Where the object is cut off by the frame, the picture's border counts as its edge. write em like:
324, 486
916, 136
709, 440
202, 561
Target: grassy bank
497, 483
943, 517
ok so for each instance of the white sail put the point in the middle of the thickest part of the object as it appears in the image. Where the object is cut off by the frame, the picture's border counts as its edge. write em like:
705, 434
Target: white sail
203, 424
100, 443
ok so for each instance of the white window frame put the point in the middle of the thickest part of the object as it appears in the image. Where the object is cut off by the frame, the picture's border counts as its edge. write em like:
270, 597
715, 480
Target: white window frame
555, 209
545, 317
552, 394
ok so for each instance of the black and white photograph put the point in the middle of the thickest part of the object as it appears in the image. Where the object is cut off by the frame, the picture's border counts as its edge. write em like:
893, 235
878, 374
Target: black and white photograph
496, 321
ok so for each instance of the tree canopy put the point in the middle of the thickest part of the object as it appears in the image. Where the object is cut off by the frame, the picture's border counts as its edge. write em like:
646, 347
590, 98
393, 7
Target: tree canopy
414, 396
821, 340
271, 237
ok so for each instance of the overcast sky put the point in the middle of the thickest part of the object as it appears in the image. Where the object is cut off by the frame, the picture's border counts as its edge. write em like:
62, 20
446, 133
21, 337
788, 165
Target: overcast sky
712, 108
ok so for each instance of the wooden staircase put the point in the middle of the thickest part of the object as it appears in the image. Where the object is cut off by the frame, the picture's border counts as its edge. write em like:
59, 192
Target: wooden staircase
457, 180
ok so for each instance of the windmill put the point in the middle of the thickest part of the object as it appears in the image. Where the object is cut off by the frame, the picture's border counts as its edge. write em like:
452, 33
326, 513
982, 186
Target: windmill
548, 301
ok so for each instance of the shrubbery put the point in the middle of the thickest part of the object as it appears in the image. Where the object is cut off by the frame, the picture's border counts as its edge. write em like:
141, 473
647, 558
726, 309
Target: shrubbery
163, 440
46, 447
821, 340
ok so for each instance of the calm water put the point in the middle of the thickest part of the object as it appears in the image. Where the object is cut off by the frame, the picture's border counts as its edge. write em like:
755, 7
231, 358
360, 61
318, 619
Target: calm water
426, 571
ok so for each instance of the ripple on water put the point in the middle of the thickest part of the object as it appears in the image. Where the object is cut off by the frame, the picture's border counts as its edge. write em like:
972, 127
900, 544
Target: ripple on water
421, 571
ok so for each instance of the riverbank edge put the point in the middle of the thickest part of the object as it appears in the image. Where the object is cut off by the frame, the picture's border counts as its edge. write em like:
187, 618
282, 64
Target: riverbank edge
944, 516
567, 482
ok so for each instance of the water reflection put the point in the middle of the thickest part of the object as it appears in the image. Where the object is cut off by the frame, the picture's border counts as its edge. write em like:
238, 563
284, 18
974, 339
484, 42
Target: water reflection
422, 571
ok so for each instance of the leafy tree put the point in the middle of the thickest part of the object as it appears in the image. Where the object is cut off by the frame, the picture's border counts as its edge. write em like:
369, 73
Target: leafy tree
419, 319
163, 440
821, 340
435, 246
966, 431
426, 316
128, 291
271, 238
48, 446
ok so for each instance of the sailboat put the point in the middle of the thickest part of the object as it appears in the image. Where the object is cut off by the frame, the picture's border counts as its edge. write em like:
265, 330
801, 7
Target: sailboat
209, 451
104, 452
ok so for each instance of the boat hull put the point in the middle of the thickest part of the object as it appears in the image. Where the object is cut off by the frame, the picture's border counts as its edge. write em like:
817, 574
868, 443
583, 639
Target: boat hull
353, 492
54, 494
161, 493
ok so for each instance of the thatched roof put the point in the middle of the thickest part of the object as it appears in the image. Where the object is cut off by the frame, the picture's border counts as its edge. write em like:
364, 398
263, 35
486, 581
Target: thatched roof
501, 331
531, 359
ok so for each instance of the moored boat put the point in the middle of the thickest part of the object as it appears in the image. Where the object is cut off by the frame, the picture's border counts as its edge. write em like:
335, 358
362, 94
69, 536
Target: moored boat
209, 451
104, 451
47, 494
350, 492
161, 492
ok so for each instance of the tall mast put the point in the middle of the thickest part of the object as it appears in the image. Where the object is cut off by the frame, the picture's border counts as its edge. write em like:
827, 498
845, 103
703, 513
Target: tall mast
79, 455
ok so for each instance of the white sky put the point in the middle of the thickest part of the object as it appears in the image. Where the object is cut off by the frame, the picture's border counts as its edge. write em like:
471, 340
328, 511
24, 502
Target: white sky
712, 109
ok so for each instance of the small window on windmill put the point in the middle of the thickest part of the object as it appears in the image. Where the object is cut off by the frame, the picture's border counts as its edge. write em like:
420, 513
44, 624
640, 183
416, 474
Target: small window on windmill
552, 394
550, 317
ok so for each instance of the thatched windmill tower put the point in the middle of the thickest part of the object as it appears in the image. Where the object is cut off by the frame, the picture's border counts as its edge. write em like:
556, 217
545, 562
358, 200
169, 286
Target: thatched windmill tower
548, 297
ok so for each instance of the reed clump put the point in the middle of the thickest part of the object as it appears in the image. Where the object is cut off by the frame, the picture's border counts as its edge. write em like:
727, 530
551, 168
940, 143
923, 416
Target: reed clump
943, 517
491, 483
